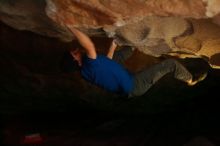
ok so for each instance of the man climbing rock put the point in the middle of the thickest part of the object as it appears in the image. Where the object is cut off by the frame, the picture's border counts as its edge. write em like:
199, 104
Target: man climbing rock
108, 73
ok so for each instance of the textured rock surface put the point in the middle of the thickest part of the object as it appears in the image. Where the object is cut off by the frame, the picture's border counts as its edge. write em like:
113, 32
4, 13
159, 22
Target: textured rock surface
103, 12
130, 22
84, 12
203, 42
30, 15
172, 35
152, 35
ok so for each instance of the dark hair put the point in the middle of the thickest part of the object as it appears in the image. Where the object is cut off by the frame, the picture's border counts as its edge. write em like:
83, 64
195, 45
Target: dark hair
68, 63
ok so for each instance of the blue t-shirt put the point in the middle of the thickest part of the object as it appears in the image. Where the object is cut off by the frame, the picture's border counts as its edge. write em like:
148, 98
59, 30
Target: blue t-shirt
107, 74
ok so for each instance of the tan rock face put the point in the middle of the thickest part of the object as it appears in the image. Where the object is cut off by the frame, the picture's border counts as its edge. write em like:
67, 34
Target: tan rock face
103, 12
155, 27
130, 23
184, 8
156, 36
152, 35
212, 8
203, 42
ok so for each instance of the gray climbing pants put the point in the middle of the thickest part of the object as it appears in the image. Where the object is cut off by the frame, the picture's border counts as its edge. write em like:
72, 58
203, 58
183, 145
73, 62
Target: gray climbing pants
146, 78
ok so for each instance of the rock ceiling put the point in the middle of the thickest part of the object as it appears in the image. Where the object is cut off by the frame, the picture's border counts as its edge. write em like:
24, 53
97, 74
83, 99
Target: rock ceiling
184, 28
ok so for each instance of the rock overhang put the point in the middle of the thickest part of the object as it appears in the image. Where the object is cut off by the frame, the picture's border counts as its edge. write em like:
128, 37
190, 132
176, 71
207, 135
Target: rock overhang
184, 28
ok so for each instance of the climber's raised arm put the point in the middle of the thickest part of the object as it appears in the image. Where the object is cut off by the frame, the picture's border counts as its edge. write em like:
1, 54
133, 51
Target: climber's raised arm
85, 42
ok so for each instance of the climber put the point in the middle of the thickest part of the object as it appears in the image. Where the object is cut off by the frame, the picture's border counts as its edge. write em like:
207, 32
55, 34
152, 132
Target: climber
108, 73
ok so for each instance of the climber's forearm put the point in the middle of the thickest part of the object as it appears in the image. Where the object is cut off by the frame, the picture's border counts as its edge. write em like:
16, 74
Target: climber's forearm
110, 54
111, 50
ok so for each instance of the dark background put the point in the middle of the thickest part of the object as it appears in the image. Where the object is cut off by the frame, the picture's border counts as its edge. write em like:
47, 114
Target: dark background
36, 97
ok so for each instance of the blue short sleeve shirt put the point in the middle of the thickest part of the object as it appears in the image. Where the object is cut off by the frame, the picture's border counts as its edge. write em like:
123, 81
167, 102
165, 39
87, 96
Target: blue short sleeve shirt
107, 74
